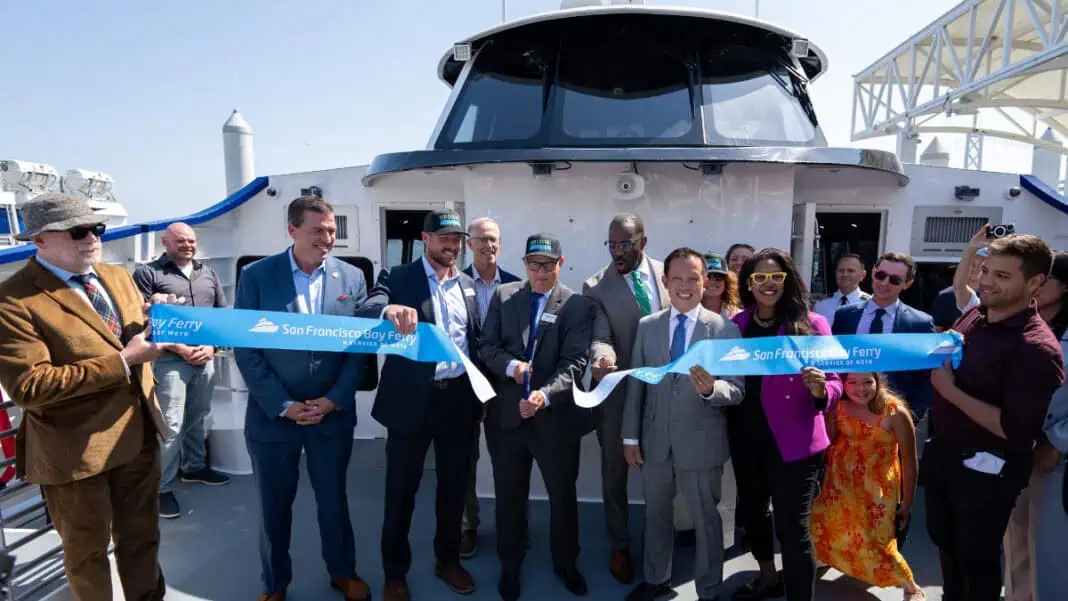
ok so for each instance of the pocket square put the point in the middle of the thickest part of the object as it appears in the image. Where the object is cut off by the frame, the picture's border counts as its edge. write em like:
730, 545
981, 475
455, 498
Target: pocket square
343, 297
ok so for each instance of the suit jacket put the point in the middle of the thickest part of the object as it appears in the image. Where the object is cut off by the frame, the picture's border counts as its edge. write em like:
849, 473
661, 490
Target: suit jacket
670, 419
404, 387
276, 376
83, 415
616, 318
506, 276
795, 417
559, 356
914, 386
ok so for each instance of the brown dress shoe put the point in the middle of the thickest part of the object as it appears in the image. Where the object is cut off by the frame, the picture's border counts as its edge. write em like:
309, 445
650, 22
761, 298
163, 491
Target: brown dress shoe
273, 596
354, 589
396, 590
620, 566
456, 577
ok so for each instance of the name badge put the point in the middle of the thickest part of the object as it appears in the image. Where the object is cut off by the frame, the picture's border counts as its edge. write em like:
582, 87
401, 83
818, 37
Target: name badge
469, 292
548, 318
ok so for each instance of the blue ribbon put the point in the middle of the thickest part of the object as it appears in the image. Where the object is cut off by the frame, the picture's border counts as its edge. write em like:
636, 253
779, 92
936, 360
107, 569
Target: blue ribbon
790, 354
242, 328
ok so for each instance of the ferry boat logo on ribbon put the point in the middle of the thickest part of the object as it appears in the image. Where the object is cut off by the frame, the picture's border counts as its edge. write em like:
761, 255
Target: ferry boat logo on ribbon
735, 354
264, 326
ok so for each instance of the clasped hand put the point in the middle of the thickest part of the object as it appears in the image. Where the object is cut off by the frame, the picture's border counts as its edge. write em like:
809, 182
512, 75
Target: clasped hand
310, 412
532, 404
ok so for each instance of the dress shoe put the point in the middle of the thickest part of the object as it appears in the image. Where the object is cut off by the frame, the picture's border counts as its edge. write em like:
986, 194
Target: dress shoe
396, 590
647, 591
508, 586
468, 544
573, 580
273, 596
686, 538
354, 589
752, 591
455, 576
620, 566
168, 506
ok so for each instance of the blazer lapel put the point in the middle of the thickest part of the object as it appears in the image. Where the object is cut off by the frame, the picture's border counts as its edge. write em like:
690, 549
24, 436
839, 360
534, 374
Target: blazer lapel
522, 304
658, 285
663, 350
421, 282
552, 305
284, 277
620, 289
72, 302
331, 287
468, 291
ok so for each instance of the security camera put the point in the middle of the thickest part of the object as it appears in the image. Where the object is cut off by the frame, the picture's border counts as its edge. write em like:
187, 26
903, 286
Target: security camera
1013, 192
629, 186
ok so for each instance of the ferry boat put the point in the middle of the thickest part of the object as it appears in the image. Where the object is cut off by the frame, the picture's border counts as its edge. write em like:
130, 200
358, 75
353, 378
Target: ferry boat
699, 120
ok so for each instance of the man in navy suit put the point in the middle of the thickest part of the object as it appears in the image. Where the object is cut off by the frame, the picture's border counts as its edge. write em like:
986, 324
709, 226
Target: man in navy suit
884, 313
424, 403
301, 400
484, 240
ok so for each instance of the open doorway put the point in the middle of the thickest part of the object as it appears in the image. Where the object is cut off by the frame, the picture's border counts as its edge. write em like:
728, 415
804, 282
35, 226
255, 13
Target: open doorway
403, 236
843, 233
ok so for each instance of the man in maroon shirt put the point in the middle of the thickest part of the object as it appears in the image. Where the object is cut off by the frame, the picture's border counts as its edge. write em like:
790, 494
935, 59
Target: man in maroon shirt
986, 417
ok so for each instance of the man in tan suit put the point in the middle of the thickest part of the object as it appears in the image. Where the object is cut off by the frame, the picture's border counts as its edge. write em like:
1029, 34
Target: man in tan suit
74, 356
623, 292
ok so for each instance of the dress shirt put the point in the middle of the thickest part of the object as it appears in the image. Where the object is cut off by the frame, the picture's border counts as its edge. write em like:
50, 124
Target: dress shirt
484, 292
869, 315
673, 321
829, 305
510, 369
309, 286
65, 276
450, 312
648, 281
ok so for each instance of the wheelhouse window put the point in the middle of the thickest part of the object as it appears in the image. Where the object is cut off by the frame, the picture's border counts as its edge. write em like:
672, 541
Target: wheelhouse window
502, 99
624, 89
751, 98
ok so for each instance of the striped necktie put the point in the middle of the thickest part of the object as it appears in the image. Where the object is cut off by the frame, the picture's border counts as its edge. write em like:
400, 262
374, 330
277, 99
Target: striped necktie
640, 293
100, 304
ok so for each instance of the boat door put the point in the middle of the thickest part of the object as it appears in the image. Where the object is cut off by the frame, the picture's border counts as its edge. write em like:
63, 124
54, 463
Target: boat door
803, 240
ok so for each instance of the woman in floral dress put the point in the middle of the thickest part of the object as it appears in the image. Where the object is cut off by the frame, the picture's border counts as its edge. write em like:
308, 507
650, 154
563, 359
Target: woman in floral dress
869, 486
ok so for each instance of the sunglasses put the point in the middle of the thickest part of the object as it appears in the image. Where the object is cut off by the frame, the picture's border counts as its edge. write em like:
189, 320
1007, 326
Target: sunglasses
881, 275
80, 232
716, 276
762, 278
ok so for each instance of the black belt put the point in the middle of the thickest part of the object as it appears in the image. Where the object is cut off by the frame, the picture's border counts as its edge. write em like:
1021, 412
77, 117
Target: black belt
448, 382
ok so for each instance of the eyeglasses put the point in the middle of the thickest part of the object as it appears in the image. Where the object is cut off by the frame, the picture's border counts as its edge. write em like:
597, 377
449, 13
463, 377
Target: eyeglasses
625, 246
716, 277
487, 240
881, 275
80, 232
761, 278
540, 265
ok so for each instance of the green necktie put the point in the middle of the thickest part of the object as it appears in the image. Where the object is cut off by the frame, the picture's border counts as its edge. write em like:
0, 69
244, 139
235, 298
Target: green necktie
640, 294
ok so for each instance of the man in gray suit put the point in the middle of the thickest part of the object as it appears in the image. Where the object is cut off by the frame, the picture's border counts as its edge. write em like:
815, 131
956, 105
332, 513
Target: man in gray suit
535, 339
676, 431
623, 292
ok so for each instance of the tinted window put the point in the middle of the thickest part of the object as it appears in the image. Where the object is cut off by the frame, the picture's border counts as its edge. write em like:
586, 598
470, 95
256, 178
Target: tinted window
626, 89
502, 99
748, 100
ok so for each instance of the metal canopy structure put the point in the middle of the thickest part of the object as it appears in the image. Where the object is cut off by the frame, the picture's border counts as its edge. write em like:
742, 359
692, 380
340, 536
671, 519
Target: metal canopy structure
985, 68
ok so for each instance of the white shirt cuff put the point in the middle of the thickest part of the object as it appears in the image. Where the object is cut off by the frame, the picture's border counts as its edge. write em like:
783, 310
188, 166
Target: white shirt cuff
630, 442
510, 370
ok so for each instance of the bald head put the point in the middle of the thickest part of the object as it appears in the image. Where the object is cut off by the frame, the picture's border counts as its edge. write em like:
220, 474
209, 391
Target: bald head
180, 242
628, 222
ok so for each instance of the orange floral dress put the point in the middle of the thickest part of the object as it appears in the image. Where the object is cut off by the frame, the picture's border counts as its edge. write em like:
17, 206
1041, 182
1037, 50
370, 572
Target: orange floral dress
852, 521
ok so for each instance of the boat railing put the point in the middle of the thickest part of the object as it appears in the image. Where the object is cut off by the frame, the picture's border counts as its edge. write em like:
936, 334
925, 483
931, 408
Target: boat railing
31, 557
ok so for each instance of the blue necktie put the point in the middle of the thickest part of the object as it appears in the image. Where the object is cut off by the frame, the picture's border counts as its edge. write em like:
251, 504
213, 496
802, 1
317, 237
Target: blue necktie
535, 304
678, 341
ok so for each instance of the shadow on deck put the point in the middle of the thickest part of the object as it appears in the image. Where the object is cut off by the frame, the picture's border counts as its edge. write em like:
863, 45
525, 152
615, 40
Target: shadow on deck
211, 552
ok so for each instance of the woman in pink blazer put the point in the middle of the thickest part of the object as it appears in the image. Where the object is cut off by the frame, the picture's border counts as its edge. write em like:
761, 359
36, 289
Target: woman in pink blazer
778, 435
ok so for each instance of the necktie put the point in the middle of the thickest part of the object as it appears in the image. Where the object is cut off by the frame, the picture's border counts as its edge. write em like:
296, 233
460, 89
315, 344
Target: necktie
877, 323
844, 300
535, 304
640, 294
96, 297
678, 339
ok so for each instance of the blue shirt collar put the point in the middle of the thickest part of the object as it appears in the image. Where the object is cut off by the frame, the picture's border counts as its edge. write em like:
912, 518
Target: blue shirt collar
296, 268
59, 272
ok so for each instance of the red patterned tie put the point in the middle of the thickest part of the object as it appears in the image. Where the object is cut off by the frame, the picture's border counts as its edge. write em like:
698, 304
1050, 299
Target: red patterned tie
96, 297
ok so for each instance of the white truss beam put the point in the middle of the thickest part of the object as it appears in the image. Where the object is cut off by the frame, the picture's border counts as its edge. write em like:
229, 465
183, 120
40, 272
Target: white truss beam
1000, 60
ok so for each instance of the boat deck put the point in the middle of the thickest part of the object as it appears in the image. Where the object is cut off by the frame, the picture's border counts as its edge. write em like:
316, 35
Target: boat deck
211, 552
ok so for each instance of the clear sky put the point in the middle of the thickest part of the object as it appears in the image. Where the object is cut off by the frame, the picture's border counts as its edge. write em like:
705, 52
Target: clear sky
140, 90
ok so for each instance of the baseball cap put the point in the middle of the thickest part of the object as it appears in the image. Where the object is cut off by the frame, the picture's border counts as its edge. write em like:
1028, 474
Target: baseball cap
545, 245
715, 264
443, 221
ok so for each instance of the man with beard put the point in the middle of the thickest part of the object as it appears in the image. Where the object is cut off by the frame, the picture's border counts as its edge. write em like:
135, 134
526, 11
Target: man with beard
987, 416
848, 274
186, 374
622, 293
484, 240
74, 356
421, 403
536, 339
